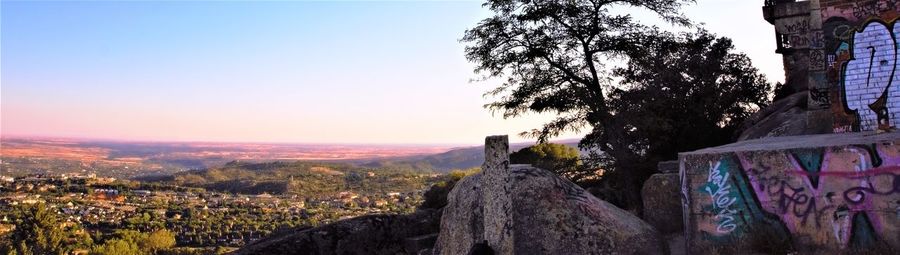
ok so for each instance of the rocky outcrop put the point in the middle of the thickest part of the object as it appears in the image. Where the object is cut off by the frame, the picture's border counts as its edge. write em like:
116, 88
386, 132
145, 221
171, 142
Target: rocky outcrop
371, 234
662, 203
785, 117
546, 215
462, 223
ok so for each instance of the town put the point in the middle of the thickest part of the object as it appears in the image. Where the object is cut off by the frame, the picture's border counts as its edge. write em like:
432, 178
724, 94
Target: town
197, 217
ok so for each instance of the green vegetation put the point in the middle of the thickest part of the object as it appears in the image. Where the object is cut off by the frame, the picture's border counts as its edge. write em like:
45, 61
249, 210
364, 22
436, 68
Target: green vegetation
562, 159
436, 196
559, 57
301, 178
56, 214
39, 230
134, 242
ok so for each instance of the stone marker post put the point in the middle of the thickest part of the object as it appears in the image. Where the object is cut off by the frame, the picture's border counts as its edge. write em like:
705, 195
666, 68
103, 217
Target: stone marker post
498, 230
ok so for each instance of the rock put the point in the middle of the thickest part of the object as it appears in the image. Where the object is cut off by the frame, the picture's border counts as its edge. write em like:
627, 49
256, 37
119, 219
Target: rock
662, 203
785, 117
462, 223
554, 216
496, 194
668, 167
549, 215
371, 234
414, 245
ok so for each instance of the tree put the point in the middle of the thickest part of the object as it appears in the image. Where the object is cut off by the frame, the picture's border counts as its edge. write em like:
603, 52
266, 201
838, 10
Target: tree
668, 110
560, 57
116, 247
158, 240
559, 158
38, 231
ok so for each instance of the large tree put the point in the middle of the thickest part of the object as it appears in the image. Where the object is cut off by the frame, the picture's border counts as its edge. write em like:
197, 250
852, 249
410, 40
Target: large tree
38, 231
565, 58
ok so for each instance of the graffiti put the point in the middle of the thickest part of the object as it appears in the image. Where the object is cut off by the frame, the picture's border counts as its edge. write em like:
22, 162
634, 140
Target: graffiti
861, 11
799, 25
799, 41
816, 60
817, 40
720, 193
868, 76
820, 97
839, 197
585, 203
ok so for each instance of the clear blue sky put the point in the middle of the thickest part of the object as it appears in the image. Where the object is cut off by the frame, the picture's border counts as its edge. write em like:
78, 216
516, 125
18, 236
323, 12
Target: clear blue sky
347, 72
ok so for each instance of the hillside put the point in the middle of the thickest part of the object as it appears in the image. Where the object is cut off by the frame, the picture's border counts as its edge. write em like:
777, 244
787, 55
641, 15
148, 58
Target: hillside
459, 158
309, 179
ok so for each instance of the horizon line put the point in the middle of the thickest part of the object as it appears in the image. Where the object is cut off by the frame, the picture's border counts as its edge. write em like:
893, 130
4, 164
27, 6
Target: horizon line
164, 141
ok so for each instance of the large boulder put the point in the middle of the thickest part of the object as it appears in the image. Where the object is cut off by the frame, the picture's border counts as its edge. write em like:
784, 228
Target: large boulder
662, 203
785, 117
549, 215
462, 223
371, 234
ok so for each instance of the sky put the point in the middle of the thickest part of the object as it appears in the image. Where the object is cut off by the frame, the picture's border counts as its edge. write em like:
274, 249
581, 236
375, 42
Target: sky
277, 71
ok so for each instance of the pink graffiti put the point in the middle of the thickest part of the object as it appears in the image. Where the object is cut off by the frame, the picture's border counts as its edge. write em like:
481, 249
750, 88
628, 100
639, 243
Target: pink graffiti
848, 184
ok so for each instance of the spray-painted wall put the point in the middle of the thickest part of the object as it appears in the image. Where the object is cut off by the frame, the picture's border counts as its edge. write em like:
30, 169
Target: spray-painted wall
861, 50
845, 54
831, 197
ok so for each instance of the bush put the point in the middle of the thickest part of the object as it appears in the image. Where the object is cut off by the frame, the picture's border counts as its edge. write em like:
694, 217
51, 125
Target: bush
436, 196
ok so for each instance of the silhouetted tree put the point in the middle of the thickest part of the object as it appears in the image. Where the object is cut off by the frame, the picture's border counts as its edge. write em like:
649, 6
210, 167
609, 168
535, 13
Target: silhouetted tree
560, 57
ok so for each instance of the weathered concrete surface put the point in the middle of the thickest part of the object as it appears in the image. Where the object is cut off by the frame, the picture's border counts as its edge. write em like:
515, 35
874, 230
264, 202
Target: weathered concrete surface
371, 234
662, 204
547, 215
819, 192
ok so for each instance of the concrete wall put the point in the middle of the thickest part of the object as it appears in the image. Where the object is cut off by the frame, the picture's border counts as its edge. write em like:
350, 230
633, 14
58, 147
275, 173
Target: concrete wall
822, 192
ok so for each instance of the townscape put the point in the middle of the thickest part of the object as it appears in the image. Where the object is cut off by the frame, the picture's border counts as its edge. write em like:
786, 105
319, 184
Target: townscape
99, 206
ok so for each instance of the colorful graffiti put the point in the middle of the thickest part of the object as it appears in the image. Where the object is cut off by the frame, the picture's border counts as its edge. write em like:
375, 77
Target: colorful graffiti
827, 197
869, 74
861, 53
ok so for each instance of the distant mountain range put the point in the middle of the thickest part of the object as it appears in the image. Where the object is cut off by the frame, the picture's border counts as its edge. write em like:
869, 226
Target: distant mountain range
458, 158
121, 159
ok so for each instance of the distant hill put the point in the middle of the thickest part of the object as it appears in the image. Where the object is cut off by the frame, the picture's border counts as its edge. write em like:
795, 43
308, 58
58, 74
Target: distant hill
311, 179
459, 158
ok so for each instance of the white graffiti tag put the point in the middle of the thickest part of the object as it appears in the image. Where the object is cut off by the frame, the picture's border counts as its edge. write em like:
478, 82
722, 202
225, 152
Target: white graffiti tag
720, 193
872, 73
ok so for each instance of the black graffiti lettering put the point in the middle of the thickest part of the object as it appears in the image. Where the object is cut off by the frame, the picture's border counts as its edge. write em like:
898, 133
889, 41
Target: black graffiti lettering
857, 195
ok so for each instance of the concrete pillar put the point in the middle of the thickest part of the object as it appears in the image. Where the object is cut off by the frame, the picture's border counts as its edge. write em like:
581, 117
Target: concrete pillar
498, 229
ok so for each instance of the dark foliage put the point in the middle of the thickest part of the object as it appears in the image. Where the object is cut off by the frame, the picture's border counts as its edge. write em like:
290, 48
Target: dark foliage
676, 93
561, 159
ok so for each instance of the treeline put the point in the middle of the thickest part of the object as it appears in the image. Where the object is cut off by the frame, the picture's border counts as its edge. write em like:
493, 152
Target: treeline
39, 230
302, 178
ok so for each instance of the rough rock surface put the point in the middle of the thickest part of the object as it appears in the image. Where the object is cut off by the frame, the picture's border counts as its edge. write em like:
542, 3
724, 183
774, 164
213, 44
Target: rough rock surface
550, 215
462, 223
662, 203
371, 234
785, 117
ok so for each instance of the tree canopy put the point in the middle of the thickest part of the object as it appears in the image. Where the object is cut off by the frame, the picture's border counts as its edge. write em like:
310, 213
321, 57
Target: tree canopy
640, 94
559, 158
38, 231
